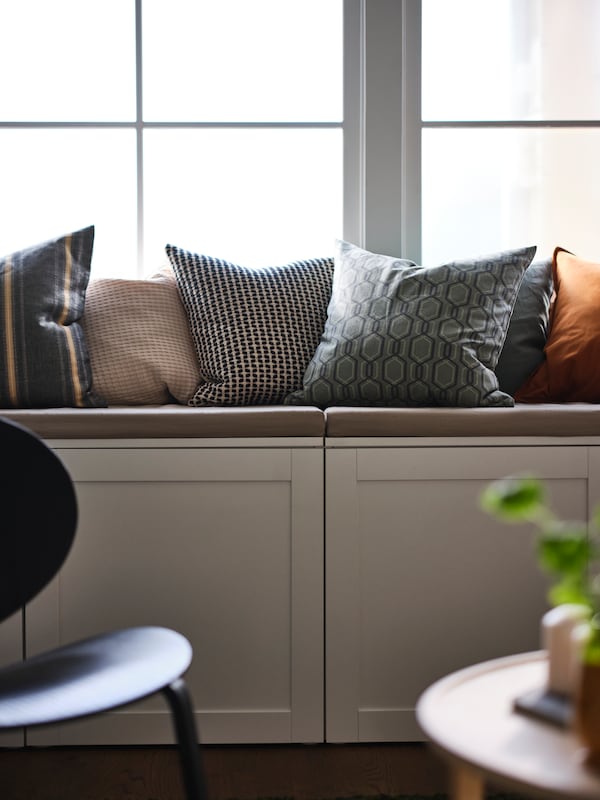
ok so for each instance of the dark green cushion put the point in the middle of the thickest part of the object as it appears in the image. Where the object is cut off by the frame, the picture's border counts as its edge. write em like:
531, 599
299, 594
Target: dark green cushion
523, 349
401, 335
43, 357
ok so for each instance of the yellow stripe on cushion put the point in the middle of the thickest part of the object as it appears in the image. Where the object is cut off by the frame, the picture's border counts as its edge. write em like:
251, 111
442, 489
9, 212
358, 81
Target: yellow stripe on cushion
9, 333
67, 280
77, 391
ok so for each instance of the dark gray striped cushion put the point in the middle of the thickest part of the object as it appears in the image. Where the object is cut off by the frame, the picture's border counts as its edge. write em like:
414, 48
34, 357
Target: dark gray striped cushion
43, 357
255, 330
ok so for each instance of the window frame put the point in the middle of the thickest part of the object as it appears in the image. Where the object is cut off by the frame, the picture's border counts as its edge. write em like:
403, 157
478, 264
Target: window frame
391, 127
140, 125
382, 127
382, 131
381, 192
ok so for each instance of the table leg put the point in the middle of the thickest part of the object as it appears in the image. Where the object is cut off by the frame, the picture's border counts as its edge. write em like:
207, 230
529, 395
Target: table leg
466, 784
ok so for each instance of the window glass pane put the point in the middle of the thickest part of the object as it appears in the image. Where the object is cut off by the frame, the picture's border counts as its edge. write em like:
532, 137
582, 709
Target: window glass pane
511, 59
58, 181
67, 60
491, 189
234, 60
252, 196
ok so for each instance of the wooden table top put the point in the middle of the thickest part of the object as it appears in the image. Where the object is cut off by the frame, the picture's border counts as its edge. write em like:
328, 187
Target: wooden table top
469, 718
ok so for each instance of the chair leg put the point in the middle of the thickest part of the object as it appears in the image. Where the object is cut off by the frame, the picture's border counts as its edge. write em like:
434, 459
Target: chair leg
185, 728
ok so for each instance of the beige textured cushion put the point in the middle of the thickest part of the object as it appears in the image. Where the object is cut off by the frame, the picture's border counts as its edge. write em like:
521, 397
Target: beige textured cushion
140, 347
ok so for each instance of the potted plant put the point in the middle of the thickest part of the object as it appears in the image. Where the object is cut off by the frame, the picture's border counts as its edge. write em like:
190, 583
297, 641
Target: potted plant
569, 552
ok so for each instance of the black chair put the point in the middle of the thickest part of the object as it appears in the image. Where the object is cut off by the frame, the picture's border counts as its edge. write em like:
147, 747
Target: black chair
38, 518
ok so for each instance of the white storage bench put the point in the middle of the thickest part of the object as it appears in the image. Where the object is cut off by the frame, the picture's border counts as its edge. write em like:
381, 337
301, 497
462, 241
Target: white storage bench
326, 566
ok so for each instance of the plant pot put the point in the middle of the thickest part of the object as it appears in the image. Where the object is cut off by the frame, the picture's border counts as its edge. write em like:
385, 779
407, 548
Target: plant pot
587, 710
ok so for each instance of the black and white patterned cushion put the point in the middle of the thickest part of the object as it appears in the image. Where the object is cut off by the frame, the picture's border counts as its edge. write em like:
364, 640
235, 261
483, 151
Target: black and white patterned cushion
255, 330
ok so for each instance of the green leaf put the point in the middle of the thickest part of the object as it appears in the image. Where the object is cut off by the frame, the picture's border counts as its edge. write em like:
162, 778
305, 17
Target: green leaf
565, 550
515, 499
568, 591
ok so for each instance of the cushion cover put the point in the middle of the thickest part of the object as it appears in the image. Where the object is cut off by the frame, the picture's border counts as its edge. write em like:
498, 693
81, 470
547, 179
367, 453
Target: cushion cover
541, 419
139, 341
255, 330
171, 421
570, 370
523, 349
43, 355
401, 335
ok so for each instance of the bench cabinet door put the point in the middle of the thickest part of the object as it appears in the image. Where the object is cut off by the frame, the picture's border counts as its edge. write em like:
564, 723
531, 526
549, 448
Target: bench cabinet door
420, 582
223, 545
11, 650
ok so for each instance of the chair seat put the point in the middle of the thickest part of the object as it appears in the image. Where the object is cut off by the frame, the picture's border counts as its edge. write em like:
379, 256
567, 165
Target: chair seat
91, 676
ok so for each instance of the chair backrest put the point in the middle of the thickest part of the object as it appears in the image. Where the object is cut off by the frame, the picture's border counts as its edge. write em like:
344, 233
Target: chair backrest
38, 516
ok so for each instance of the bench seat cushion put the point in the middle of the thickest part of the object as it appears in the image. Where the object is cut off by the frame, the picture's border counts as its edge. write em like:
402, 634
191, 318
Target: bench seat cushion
546, 419
170, 421
175, 421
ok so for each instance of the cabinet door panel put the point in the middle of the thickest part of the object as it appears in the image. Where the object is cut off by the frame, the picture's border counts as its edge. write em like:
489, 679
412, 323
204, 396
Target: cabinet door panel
420, 582
211, 557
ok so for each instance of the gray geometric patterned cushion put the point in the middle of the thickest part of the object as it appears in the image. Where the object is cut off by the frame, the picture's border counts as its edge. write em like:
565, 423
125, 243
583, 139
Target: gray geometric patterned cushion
254, 330
402, 335
44, 361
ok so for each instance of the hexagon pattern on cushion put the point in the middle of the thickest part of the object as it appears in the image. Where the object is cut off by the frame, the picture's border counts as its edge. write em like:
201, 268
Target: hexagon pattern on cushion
402, 335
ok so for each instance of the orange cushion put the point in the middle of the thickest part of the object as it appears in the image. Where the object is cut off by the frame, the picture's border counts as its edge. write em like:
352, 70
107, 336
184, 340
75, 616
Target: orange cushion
570, 371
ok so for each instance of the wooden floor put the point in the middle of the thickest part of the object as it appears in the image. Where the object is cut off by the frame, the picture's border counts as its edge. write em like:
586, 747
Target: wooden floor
305, 772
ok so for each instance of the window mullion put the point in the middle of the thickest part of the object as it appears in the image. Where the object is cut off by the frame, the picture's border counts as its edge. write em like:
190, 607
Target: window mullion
410, 215
354, 121
139, 125
391, 176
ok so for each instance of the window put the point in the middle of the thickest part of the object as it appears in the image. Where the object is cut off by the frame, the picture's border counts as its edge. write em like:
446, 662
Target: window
510, 126
259, 131
216, 126
480, 127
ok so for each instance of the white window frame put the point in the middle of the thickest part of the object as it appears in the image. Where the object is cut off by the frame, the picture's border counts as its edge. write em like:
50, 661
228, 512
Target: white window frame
382, 126
140, 125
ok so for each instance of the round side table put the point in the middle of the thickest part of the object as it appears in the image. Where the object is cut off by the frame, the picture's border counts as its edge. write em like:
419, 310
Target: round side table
469, 718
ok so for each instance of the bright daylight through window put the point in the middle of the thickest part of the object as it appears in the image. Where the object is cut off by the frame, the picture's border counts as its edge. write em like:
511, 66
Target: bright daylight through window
213, 126
511, 131
224, 127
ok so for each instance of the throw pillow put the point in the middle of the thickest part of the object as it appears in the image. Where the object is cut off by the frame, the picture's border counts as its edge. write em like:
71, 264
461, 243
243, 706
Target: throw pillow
44, 360
402, 335
139, 341
570, 370
255, 330
523, 349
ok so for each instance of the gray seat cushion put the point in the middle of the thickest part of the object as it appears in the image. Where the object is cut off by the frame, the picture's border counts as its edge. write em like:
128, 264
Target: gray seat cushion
170, 421
569, 419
